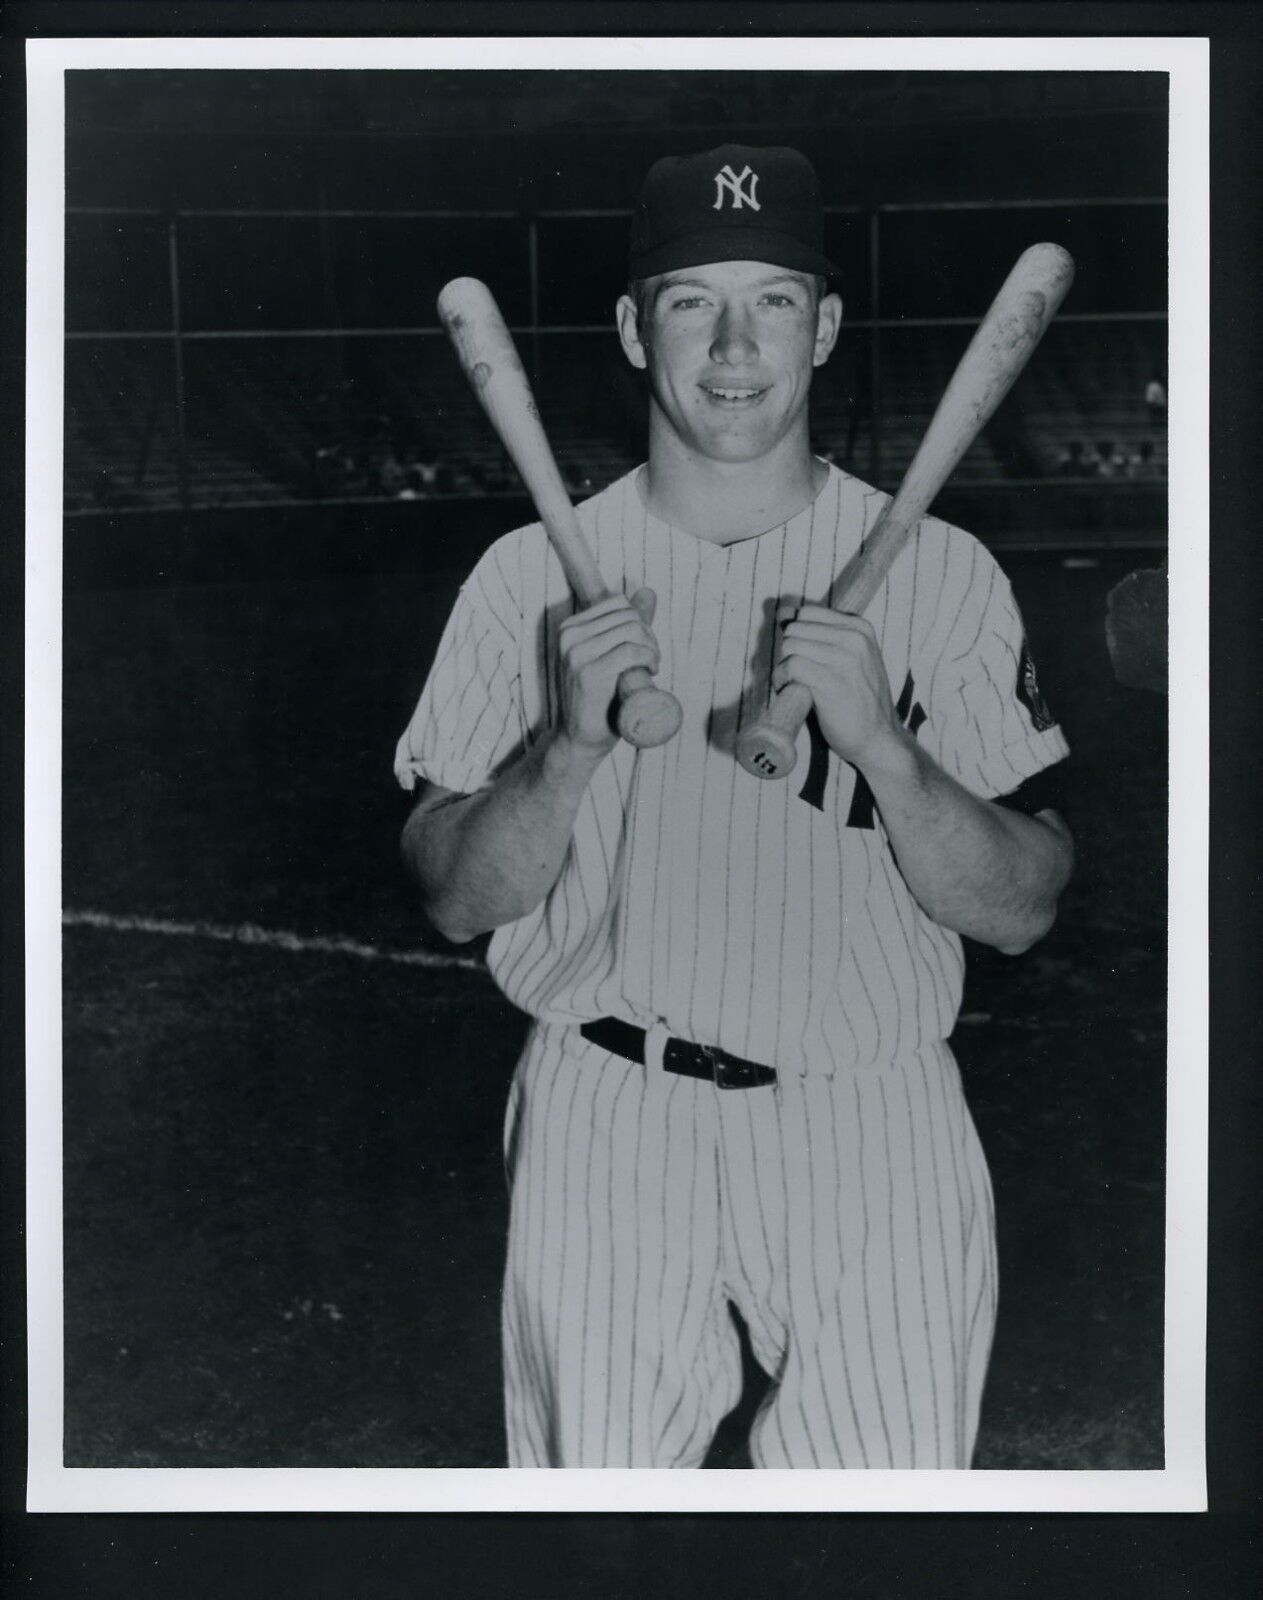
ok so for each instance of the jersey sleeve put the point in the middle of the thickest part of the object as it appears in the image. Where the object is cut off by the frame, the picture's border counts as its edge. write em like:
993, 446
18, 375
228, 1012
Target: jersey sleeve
468, 721
989, 723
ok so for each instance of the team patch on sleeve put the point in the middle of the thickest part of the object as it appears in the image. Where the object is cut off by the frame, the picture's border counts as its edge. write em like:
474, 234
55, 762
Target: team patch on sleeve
1028, 692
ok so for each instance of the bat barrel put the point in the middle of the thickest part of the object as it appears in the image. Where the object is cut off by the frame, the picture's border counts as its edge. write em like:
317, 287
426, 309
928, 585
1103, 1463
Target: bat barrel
647, 715
1014, 324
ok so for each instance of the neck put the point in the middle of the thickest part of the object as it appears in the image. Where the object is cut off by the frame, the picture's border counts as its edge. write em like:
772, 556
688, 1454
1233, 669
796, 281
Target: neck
724, 501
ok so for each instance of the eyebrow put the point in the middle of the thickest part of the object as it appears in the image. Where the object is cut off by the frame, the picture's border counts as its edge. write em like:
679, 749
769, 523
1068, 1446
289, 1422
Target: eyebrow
800, 280
668, 284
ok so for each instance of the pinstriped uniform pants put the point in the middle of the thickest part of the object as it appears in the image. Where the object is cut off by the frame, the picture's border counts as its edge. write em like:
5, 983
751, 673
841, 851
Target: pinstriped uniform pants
848, 1219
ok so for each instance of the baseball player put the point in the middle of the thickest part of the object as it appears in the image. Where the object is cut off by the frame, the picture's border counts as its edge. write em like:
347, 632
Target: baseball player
738, 1090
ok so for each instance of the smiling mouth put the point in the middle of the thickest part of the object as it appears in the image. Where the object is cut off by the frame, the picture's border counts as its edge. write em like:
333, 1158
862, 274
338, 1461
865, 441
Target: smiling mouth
731, 394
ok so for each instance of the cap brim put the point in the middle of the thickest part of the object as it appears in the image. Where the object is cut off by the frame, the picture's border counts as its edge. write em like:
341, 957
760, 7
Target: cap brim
732, 244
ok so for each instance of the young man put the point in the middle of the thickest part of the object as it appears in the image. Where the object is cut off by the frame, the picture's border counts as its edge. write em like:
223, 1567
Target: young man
738, 1090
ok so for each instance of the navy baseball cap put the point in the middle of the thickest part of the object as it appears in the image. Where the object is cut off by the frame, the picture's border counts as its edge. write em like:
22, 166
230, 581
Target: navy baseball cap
735, 203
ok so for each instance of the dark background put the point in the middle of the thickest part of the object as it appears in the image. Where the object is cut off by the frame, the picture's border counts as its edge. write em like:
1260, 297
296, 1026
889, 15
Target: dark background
283, 1190
296, 228
991, 1555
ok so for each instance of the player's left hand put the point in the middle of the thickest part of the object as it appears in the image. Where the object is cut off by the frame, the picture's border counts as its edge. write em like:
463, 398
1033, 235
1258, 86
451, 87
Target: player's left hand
837, 658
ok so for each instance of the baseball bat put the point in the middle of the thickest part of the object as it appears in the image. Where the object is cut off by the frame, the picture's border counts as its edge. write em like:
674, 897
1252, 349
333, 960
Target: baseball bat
1000, 348
647, 715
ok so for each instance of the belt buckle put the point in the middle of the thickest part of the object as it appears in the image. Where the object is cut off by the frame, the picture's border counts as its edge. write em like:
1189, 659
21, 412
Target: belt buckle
727, 1071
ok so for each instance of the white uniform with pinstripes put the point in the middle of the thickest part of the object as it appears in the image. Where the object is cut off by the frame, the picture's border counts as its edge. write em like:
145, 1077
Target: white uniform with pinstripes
847, 1211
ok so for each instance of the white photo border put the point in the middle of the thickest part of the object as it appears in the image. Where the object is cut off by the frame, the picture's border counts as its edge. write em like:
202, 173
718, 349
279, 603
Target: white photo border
1178, 1487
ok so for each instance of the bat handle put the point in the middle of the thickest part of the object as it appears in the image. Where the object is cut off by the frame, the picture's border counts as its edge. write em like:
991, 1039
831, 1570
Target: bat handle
765, 748
647, 715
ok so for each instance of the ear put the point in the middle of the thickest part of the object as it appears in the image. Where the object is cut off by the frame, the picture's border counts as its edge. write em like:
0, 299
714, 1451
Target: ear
629, 333
828, 324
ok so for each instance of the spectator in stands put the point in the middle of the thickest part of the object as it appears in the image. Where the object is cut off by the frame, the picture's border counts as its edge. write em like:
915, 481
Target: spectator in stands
332, 470
371, 448
329, 465
434, 475
424, 471
1069, 463
471, 479
392, 476
1142, 462
1011, 444
409, 483
577, 478
1110, 460
1156, 403
322, 471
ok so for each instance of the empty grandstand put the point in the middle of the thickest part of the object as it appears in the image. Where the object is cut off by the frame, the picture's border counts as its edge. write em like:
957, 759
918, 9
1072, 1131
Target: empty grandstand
260, 354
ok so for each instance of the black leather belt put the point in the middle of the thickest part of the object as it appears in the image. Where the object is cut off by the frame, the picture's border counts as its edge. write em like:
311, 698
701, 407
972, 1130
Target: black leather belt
680, 1055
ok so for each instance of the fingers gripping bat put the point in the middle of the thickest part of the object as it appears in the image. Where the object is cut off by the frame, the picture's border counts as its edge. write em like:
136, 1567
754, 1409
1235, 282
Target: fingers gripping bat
647, 715
999, 350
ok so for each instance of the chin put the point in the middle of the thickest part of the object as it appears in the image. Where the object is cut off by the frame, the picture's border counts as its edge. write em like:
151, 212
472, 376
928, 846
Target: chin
743, 438
734, 454
738, 447
739, 436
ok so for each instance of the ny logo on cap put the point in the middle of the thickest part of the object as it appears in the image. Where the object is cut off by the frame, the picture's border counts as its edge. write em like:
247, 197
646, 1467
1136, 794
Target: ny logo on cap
735, 184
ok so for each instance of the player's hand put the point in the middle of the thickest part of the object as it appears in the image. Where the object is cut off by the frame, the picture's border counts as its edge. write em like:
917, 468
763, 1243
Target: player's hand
837, 658
597, 646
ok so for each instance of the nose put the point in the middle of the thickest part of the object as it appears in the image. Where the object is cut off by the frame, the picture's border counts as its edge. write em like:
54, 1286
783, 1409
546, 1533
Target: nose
733, 343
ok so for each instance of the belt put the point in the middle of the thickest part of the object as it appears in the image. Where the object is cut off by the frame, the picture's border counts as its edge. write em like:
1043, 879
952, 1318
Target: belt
680, 1055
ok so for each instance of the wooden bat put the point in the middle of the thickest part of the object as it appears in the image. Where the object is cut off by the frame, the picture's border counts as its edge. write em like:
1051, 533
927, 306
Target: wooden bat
647, 715
1006, 337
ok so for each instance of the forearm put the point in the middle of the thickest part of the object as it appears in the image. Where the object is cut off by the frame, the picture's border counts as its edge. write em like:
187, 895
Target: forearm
485, 859
983, 870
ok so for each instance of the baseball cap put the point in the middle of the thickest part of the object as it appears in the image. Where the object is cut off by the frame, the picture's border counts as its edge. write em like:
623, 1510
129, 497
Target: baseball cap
735, 203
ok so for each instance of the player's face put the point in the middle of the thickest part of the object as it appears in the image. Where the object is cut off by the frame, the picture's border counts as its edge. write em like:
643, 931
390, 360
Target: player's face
730, 348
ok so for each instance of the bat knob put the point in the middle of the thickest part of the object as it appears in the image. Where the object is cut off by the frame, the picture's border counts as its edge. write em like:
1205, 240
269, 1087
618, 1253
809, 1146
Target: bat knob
766, 752
649, 717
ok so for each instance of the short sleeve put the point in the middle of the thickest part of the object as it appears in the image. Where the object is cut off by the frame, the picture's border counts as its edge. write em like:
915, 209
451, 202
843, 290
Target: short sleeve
468, 721
987, 719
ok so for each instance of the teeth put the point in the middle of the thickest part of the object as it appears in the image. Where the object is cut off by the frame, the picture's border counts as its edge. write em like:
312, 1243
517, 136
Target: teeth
734, 394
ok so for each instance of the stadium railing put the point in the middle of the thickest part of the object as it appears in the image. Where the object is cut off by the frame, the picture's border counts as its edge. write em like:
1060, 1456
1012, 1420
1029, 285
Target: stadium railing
174, 416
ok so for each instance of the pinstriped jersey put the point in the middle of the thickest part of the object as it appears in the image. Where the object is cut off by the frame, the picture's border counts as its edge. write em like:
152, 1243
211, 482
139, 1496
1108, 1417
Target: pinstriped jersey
769, 918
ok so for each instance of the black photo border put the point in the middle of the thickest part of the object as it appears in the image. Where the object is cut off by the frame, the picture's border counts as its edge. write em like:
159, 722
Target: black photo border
1217, 1554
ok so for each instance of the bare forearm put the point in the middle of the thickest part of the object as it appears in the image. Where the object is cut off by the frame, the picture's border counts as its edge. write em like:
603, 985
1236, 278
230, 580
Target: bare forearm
485, 859
982, 870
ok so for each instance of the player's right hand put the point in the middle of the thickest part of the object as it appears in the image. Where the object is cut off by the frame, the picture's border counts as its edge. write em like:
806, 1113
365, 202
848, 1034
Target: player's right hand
597, 646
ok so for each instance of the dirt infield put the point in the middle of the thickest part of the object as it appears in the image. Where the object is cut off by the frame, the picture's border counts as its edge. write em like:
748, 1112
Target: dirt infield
284, 1199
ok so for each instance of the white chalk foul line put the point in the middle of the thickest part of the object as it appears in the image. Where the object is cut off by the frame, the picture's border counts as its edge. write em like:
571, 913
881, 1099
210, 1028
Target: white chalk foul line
269, 938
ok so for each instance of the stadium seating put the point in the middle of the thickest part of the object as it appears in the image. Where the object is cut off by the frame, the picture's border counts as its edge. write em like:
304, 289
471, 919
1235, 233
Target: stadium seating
265, 417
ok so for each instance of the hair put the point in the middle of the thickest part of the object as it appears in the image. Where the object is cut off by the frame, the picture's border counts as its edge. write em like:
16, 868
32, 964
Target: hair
638, 291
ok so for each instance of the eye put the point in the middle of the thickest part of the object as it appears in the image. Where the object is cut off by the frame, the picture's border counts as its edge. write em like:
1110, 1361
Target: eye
774, 297
687, 302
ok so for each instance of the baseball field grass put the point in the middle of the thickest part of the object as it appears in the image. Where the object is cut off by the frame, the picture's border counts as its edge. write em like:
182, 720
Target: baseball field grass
283, 1193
